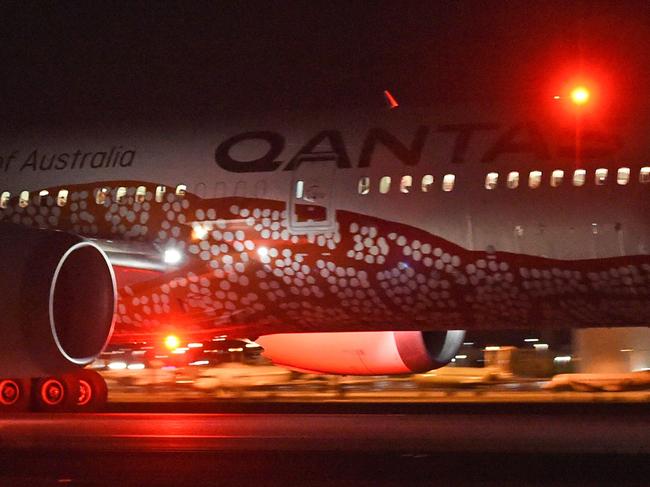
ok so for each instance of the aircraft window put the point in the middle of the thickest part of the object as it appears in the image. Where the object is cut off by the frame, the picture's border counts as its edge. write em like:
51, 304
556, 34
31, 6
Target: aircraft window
448, 182
240, 188
579, 177
405, 185
120, 194
23, 201
260, 189
644, 175
181, 190
427, 183
100, 196
62, 197
384, 185
534, 179
42, 197
140, 194
623, 175
491, 180
601, 176
364, 185
513, 180
557, 177
300, 189
160, 193
4, 199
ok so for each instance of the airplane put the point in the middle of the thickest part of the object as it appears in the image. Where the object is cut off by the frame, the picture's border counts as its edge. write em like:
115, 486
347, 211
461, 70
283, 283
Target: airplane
356, 243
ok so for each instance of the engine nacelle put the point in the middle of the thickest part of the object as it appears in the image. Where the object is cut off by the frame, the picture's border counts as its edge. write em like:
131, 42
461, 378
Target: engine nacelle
57, 301
363, 353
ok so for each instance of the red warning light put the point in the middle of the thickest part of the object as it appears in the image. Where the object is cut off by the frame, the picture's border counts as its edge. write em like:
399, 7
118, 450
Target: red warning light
172, 342
579, 95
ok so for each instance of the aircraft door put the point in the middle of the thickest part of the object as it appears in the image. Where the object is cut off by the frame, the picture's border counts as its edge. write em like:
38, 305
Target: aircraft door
310, 200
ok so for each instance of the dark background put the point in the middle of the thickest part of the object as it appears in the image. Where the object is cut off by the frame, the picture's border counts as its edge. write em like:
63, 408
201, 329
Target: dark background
143, 60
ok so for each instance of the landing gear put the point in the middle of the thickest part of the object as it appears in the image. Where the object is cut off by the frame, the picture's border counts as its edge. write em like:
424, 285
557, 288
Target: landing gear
54, 394
92, 391
14, 395
83, 390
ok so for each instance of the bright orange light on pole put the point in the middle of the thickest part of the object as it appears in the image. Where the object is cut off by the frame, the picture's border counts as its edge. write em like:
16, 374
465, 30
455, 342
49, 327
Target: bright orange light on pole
580, 95
172, 342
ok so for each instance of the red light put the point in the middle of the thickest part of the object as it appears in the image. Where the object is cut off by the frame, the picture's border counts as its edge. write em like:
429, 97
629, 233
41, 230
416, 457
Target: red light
580, 95
172, 342
392, 102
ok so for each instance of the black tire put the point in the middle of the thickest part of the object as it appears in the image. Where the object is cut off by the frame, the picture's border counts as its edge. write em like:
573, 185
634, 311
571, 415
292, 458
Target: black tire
93, 392
14, 395
55, 394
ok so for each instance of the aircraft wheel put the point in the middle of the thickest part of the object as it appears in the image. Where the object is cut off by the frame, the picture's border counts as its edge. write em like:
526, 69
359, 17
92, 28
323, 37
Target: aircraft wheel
93, 391
53, 394
14, 394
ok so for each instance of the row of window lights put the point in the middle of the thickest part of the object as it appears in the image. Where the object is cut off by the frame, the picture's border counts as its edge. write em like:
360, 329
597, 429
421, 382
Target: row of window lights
100, 195
512, 181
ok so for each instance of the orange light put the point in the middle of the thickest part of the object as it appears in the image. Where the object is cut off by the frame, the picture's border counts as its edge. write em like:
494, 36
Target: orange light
390, 99
580, 95
172, 342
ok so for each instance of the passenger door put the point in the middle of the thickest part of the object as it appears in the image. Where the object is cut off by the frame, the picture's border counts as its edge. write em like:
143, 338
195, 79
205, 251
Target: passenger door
310, 200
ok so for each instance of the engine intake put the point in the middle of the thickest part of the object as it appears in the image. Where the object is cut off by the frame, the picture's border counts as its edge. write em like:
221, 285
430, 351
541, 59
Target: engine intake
363, 353
57, 300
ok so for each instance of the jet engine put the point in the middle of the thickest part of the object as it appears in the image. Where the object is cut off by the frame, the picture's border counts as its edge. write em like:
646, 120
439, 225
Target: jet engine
363, 353
57, 300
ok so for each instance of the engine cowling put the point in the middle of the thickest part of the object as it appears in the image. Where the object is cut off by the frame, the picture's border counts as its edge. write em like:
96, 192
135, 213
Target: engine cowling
363, 353
57, 301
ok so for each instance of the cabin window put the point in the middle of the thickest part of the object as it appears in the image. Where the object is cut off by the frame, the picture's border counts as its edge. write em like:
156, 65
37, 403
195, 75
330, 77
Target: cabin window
300, 189
579, 177
491, 180
62, 197
4, 199
644, 175
42, 197
240, 188
448, 182
427, 183
120, 194
557, 177
405, 184
260, 189
534, 179
140, 194
23, 201
364, 185
601, 176
160, 193
623, 175
513, 180
181, 190
384, 185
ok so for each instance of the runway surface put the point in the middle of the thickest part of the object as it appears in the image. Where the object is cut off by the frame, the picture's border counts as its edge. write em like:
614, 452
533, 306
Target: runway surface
493, 446
580, 432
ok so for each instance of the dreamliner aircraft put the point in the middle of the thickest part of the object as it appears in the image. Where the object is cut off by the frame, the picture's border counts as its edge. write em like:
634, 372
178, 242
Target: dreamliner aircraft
356, 243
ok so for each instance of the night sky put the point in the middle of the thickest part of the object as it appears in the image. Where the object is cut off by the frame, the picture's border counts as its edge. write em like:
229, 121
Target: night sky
63, 61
